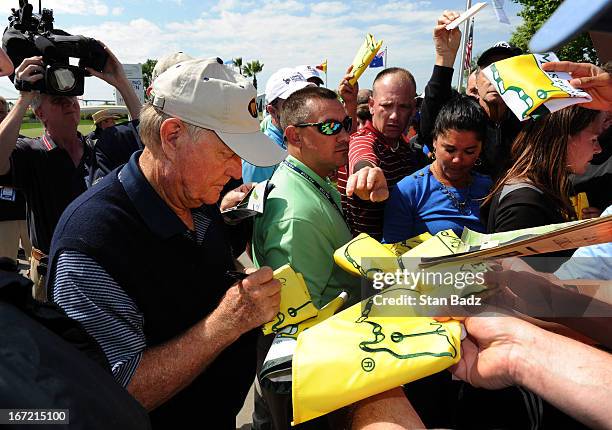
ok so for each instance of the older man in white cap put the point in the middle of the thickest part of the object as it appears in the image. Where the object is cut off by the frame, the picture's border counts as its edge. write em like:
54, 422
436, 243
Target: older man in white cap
114, 147
279, 87
143, 259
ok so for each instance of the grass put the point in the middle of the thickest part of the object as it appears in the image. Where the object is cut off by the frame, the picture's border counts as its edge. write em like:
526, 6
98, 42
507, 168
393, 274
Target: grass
35, 129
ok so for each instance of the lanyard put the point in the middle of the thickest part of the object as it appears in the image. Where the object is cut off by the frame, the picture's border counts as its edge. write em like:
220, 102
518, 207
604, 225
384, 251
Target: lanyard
314, 184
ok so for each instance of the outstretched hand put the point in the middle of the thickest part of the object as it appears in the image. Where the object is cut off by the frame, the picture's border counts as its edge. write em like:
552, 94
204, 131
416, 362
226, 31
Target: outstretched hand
588, 77
368, 183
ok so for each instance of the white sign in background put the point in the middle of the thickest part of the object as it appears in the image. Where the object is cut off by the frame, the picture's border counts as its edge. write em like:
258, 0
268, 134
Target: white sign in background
134, 75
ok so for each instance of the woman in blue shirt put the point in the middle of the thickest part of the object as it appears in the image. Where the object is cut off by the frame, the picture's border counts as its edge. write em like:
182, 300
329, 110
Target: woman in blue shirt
446, 194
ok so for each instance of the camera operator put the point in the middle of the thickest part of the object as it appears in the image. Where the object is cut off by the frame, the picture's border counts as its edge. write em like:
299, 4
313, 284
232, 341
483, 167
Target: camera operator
51, 170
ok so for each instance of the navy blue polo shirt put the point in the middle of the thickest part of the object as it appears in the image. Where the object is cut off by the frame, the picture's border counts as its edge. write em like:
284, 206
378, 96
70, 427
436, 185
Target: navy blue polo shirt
121, 247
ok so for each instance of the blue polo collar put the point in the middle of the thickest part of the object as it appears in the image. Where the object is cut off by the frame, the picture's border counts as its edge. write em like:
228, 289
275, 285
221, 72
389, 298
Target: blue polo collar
157, 215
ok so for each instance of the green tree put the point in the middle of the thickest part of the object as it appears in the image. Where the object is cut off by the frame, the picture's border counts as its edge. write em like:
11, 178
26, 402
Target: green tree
147, 71
535, 13
252, 69
238, 63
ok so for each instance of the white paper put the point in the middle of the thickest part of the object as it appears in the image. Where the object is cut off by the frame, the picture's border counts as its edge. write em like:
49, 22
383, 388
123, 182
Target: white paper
257, 199
465, 15
500, 13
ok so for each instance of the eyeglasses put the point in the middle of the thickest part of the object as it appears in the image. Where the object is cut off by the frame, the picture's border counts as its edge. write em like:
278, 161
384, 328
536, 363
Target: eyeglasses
330, 127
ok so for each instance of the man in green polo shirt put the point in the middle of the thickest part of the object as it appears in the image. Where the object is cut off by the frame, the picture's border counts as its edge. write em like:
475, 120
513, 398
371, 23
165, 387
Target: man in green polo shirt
302, 224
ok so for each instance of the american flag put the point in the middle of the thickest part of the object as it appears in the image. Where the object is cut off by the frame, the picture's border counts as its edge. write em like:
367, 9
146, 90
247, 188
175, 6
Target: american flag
468, 47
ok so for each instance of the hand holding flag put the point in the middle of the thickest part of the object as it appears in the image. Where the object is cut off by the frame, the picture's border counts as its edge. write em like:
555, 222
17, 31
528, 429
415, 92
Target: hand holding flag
364, 56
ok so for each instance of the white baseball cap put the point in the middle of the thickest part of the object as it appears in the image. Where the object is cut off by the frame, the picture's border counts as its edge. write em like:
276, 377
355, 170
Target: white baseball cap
208, 94
167, 61
310, 72
283, 83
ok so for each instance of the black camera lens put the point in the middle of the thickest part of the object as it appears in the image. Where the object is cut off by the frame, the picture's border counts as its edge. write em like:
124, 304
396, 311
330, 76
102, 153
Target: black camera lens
61, 79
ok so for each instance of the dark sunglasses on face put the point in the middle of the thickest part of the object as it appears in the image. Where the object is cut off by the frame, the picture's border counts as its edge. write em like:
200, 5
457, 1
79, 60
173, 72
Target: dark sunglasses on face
331, 126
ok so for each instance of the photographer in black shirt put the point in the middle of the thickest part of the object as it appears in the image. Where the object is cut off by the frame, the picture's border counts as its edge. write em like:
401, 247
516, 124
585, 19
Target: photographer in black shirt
51, 170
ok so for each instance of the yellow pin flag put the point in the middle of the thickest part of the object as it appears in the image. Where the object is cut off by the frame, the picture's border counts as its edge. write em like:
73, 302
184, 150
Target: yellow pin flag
378, 344
580, 201
404, 246
364, 256
528, 90
364, 57
362, 351
296, 304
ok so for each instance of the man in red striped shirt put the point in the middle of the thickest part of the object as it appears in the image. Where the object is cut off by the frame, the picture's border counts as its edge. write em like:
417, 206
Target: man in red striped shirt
379, 145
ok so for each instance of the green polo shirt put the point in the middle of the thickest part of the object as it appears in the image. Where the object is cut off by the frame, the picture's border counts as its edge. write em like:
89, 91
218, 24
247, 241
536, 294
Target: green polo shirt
300, 227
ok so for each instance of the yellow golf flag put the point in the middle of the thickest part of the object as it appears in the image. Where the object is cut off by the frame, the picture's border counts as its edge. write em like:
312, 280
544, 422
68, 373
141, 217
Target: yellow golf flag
296, 305
361, 352
404, 246
580, 201
530, 91
380, 343
364, 56
364, 256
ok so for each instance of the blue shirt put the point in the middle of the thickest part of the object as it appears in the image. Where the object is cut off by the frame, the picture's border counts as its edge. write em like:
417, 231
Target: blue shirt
589, 262
251, 173
419, 203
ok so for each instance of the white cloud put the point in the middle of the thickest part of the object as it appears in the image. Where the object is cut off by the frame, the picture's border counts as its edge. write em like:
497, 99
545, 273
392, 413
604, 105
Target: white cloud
133, 41
225, 5
116, 11
329, 8
278, 6
286, 33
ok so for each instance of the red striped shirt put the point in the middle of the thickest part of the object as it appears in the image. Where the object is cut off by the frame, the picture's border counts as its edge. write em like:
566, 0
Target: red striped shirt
369, 144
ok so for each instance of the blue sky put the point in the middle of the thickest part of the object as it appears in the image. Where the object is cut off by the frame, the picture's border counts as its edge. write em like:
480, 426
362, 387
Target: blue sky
278, 33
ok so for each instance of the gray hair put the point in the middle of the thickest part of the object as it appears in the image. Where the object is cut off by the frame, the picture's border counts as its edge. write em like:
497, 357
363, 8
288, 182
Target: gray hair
151, 119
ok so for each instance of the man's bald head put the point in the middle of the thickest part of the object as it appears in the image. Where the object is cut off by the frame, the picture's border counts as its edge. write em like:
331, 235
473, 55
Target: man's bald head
393, 102
397, 74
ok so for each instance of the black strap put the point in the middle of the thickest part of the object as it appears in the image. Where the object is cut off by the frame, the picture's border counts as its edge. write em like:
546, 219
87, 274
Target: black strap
314, 184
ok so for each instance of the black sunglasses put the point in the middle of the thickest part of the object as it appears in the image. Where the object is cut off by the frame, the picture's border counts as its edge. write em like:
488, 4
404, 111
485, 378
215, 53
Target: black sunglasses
331, 126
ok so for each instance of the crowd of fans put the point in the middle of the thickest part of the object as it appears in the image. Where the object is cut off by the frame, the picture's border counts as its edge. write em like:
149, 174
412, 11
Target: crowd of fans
133, 259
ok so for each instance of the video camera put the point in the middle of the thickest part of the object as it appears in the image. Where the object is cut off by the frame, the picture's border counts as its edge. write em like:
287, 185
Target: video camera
29, 34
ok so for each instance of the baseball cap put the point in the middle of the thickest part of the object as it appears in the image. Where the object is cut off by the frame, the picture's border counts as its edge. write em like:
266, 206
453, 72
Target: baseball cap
310, 72
570, 19
499, 51
283, 83
164, 63
103, 114
208, 94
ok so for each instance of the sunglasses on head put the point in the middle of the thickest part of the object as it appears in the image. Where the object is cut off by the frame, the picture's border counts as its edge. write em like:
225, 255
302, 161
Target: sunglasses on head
331, 126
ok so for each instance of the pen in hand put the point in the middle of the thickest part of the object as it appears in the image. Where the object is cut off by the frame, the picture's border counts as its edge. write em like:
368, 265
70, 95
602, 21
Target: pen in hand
236, 275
